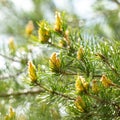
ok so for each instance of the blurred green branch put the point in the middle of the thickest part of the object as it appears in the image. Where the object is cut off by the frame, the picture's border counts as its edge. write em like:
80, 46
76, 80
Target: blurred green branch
25, 92
117, 2
14, 75
10, 58
54, 92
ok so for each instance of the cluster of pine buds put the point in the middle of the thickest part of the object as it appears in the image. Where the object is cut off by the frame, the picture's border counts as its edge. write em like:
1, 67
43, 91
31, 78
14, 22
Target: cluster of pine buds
81, 85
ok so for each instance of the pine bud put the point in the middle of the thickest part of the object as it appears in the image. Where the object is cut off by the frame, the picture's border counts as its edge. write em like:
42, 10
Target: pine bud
100, 56
11, 114
6, 117
80, 53
80, 104
81, 85
62, 43
86, 85
95, 87
66, 36
12, 45
32, 71
43, 32
58, 22
78, 85
54, 63
106, 82
29, 28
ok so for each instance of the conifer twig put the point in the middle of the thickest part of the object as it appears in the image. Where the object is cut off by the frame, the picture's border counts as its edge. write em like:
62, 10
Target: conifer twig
15, 94
55, 45
55, 92
105, 60
12, 76
73, 73
104, 101
117, 2
112, 68
9, 58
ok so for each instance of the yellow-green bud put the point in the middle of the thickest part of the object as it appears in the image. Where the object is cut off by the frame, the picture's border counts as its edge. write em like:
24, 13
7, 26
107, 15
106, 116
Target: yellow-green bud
54, 63
106, 81
32, 71
12, 45
80, 104
29, 28
11, 114
95, 87
58, 22
43, 32
80, 53
81, 85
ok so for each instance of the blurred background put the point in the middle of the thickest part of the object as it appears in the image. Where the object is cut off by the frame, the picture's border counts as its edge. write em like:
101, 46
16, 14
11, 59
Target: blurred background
16, 13
99, 18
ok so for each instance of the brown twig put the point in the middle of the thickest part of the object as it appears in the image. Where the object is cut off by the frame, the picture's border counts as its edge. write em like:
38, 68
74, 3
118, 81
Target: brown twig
55, 45
117, 86
117, 106
73, 73
44, 89
112, 68
55, 92
105, 60
96, 98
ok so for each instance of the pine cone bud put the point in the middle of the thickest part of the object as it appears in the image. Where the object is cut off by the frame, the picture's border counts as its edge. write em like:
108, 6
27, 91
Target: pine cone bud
54, 63
32, 71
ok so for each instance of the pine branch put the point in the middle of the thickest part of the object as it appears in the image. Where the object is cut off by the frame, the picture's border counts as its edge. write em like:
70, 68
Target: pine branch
55, 92
112, 68
114, 104
117, 2
12, 76
70, 73
54, 45
15, 94
105, 60
9, 58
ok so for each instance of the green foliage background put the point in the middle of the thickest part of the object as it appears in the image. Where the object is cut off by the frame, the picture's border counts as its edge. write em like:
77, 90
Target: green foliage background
99, 37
